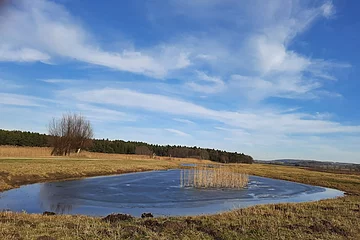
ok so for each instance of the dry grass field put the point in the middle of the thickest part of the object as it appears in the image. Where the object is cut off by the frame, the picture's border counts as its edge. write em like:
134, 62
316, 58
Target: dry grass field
8, 152
29, 152
327, 219
17, 168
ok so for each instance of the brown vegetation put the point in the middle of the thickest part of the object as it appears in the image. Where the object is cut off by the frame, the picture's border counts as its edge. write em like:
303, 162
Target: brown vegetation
204, 176
24, 152
70, 133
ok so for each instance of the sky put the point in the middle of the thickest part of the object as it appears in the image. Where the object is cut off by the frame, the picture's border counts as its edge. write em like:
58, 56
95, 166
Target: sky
272, 79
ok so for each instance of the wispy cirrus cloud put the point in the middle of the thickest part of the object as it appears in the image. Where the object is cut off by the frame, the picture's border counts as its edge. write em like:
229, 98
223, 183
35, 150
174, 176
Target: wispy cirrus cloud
177, 132
206, 83
102, 114
8, 54
181, 120
20, 100
51, 32
60, 80
9, 85
257, 47
264, 53
265, 120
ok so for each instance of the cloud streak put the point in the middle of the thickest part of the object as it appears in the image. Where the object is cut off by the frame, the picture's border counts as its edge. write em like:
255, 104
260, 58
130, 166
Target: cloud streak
177, 132
52, 33
19, 100
265, 120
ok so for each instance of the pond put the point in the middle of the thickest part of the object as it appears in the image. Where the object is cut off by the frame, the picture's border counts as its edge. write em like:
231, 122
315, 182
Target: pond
158, 192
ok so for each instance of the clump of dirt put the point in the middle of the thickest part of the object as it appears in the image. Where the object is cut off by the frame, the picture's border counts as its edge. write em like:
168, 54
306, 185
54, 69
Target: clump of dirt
330, 208
153, 224
281, 208
5, 210
46, 213
294, 226
193, 221
117, 217
147, 215
237, 228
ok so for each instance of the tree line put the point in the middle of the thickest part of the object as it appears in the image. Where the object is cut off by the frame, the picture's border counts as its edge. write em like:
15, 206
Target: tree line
129, 147
20, 138
32, 139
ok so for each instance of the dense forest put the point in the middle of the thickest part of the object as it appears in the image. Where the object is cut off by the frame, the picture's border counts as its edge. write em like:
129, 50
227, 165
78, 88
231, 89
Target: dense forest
20, 138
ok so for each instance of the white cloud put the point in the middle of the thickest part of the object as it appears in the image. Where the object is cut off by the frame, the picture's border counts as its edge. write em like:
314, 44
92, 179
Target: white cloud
209, 84
236, 132
6, 85
8, 54
177, 132
255, 45
130, 98
51, 31
60, 81
206, 57
266, 120
279, 71
328, 9
284, 87
271, 55
186, 121
25, 100
19, 100
103, 114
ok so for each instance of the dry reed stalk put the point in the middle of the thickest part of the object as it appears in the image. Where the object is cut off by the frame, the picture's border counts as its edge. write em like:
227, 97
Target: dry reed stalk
207, 177
15, 151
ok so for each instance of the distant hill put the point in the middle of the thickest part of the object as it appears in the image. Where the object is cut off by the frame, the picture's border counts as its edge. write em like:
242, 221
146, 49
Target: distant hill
327, 165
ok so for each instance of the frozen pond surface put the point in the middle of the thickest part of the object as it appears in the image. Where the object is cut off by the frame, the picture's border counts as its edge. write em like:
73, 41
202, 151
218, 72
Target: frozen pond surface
157, 192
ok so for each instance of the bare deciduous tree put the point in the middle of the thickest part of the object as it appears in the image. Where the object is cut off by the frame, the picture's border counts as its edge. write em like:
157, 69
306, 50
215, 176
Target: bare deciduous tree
70, 133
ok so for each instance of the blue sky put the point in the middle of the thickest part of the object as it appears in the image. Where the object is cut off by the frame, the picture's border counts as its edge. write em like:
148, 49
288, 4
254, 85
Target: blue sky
273, 79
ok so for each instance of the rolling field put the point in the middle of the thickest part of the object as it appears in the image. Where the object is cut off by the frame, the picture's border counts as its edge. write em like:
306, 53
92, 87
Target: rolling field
327, 219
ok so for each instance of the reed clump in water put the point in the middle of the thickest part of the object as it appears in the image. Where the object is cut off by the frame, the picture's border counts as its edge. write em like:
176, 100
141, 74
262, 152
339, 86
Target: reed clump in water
213, 177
